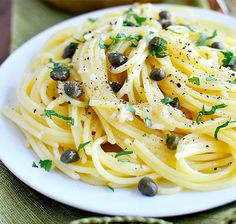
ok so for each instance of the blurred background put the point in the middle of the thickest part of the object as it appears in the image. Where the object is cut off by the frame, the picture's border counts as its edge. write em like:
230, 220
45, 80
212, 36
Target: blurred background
22, 19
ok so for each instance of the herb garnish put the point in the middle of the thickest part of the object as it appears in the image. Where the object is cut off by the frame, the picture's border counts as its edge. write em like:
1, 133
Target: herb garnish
46, 164
229, 59
148, 122
231, 81
133, 38
34, 164
92, 20
138, 19
82, 145
86, 106
194, 80
166, 100
123, 160
210, 112
130, 108
211, 78
167, 137
58, 67
122, 153
102, 45
160, 50
50, 113
111, 188
204, 37
220, 127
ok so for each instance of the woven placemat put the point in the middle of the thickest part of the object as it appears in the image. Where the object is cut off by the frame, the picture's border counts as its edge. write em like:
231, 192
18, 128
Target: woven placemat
19, 203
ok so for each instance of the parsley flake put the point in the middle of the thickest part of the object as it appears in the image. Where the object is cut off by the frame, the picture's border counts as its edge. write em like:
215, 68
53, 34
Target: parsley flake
82, 145
122, 153
109, 187
138, 19
92, 20
86, 106
204, 37
34, 164
210, 112
102, 45
231, 81
229, 59
166, 100
50, 113
211, 78
148, 122
194, 80
123, 160
159, 49
130, 108
220, 127
46, 164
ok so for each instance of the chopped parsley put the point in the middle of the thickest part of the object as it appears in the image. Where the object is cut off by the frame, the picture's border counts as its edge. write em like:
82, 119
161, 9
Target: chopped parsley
92, 20
166, 100
123, 160
204, 37
133, 38
173, 31
195, 80
58, 67
130, 108
151, 32
167, 137
34, 164
45, 164
50, 113
102, 45
211, 78
138, 19
220, 127
82, 145
229, 59
86, 106
122, 153
148, 122
232, 81
160, 49
209, 112
74, 45
109, 187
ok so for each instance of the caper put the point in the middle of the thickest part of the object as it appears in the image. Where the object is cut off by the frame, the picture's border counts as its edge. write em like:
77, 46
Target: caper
69, 50
117, 59
147, 186
69, 156
165, 23
61, 74
73, 89
164, 15
154, 43
172, 141
115, 86
217, 45
175, 103
157, 74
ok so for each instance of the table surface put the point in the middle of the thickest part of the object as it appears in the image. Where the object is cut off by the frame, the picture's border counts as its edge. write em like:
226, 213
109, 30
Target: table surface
5, 15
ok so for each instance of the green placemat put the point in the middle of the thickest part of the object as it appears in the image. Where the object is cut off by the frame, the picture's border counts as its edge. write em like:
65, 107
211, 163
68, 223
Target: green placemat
19, 203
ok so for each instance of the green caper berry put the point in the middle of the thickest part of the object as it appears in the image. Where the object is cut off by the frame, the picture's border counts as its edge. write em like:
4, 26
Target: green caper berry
117, 59
147, 186
175, 103
60, 75
164, 15
165, 23
217, 45
69, 156
154, 43
73, 89
172, 141
157, 74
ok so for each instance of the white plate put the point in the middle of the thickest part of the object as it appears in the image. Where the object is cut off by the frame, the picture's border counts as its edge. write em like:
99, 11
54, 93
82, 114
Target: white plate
57, 186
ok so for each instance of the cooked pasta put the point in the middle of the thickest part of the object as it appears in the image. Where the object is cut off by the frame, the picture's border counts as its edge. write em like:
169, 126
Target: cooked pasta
146, 94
